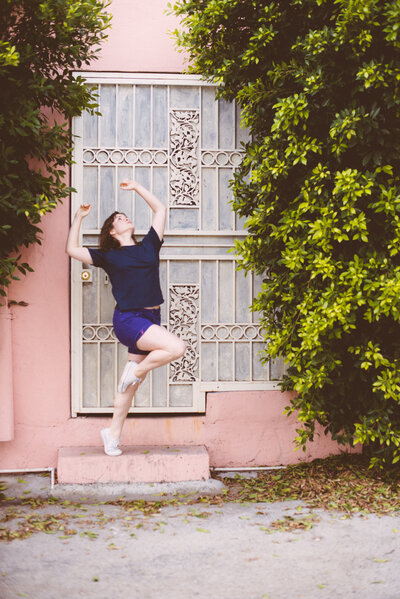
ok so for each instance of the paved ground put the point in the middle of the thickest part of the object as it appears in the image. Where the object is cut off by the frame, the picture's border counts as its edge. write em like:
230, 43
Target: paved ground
226, 551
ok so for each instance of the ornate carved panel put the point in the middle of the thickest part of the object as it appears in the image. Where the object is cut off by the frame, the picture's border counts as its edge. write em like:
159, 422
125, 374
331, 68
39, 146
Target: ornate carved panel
184, 157
183, 321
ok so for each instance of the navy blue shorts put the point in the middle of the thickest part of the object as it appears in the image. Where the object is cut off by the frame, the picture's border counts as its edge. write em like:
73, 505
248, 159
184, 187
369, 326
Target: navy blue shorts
130, 326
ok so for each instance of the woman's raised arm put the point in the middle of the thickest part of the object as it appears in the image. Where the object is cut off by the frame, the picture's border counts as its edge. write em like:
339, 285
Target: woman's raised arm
72, 248
158, 208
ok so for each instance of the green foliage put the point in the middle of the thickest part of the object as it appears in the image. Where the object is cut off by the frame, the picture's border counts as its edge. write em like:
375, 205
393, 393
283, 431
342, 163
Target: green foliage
43, 42
319, 82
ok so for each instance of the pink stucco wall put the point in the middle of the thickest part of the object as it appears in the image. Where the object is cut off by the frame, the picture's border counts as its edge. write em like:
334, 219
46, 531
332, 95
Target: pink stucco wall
238, 429
139, 41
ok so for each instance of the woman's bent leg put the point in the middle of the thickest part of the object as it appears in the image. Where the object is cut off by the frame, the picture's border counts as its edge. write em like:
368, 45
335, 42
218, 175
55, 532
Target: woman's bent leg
122, 403
164, 347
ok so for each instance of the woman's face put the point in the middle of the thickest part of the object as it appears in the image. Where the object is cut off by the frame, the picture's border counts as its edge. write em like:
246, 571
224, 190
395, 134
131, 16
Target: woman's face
121, 224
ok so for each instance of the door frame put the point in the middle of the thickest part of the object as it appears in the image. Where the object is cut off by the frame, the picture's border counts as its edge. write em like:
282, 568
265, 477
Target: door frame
200, 388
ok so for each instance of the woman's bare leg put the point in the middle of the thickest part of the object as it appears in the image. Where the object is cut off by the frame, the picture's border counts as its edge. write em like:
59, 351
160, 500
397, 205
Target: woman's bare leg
122, 403
164, 347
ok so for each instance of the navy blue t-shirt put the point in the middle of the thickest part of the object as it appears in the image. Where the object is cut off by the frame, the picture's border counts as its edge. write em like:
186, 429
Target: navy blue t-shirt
133, 272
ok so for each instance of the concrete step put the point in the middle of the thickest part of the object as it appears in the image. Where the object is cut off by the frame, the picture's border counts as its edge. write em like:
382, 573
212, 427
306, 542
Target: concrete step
138, 463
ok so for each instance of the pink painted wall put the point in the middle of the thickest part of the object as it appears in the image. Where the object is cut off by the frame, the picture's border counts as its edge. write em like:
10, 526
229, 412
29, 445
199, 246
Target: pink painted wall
138, 40
238, 429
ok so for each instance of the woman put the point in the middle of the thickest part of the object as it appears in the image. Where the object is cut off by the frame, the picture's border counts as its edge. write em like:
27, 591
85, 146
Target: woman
133, 269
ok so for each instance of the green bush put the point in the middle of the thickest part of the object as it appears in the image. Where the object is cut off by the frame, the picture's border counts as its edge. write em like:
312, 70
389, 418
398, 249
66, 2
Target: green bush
319, 83
43, 42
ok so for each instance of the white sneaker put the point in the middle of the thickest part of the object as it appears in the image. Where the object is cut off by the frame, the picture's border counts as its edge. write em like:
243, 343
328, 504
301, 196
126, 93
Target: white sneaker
128, 376
110, 444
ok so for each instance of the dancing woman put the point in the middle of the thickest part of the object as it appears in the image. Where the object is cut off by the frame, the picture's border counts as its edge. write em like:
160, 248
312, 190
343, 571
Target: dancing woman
133, 268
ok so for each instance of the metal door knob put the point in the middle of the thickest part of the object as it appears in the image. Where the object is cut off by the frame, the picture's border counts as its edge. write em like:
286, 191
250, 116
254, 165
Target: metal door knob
86, 275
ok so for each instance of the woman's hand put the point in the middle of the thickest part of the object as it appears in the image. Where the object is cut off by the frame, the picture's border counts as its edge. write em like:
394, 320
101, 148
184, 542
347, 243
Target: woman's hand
128, 185
83, 210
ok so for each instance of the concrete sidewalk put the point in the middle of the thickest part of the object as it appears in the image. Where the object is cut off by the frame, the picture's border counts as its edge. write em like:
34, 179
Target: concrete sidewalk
39, 485
203, 549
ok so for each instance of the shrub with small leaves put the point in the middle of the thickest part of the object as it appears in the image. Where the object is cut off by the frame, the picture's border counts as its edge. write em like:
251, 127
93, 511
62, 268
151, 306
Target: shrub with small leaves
43, 41
319, 83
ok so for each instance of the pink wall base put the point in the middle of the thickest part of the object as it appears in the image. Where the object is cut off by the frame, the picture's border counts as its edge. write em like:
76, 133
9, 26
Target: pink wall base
239, 429
6, 373
249, 429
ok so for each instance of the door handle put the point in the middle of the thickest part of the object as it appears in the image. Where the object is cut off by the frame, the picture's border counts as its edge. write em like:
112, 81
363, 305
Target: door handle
86, 276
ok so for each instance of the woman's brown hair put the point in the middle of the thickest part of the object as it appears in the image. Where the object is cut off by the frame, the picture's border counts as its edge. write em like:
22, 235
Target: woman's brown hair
106, 240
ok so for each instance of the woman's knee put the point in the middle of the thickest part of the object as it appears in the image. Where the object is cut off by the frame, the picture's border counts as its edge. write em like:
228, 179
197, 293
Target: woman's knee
179, 348
159, 338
